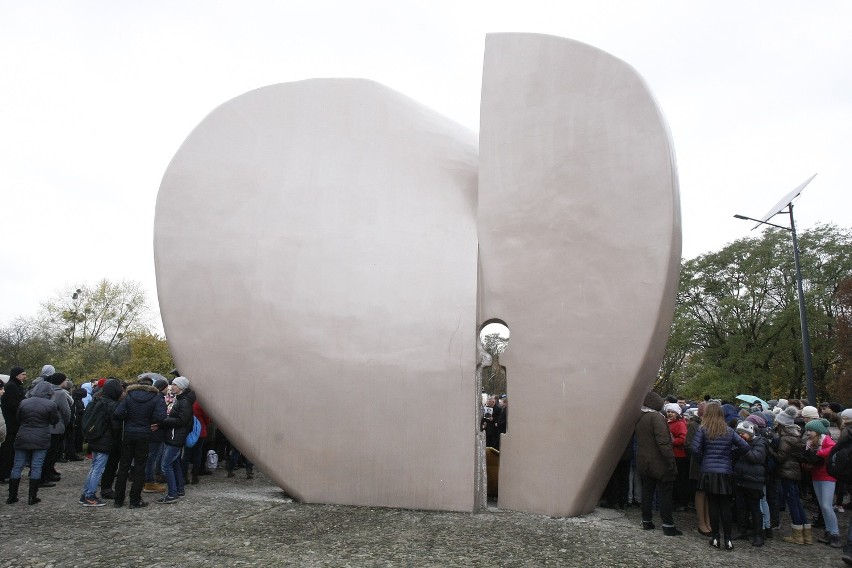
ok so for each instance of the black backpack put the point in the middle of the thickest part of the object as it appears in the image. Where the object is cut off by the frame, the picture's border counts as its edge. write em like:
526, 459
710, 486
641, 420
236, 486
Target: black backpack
96, 420
839, 462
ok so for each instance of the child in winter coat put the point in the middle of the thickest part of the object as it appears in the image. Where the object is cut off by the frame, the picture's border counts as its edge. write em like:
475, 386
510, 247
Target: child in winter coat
749, 480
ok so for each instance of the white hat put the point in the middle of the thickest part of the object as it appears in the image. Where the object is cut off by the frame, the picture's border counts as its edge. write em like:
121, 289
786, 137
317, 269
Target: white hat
672, 407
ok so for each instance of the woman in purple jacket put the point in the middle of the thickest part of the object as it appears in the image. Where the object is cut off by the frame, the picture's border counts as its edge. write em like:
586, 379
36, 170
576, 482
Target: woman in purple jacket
714, 444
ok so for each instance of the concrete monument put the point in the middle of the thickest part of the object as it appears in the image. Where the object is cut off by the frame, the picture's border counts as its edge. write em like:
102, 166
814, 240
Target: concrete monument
316, 247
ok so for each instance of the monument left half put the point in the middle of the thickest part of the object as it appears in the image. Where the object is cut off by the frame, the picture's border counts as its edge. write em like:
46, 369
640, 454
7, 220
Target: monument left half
316, 255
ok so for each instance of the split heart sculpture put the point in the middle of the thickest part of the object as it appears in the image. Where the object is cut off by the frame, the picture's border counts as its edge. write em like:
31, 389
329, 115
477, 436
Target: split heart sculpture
326, 249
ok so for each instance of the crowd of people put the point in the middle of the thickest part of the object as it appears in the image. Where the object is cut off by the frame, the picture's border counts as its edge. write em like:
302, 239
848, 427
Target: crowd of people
738, 468
152, 433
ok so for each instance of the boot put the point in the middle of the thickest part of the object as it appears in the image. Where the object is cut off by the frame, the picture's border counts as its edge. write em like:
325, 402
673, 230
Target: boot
646, 525
847, 554
796, 537
767, 533
13, 491
671, 531
34, 485
825, 538
757, 539
835, 541
194, 479
807, 534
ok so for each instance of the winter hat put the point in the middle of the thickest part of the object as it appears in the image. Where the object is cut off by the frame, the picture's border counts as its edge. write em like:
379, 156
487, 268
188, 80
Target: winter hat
783, 403
101, 382
816, 426
810, 412
846, 415
746, 427
16, 371
772, 404
56, 378
784, 419
161, 384
835, 407
652, 401
777, 410
757, 420
672, 407
46, 371
181, 382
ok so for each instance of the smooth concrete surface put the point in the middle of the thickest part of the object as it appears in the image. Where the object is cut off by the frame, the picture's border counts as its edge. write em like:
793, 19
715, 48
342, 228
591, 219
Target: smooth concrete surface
316, 249
579, 236
316, 255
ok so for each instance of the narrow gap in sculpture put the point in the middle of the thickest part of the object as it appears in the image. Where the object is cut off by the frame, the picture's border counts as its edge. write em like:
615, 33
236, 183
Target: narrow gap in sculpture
493, 339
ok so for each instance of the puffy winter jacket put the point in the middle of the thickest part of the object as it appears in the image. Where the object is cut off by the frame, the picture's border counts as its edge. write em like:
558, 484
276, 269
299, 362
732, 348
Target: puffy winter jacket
12, 397
142, 407
789, 445
36, 414
716, 454
179, 421
110, 440
677, 428
63, 402
750, 467
819, 473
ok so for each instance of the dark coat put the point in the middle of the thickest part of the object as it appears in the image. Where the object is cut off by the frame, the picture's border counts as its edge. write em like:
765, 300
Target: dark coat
110, 440
36, 415
142, 407
717, 454
12, 397
790, 444
654, 454
178, 423
750, 467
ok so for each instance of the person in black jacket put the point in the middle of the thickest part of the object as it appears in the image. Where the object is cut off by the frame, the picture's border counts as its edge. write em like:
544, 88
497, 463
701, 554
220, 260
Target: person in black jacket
13, 394
749, 481
177, 426
140, 409
101, 442
36, 415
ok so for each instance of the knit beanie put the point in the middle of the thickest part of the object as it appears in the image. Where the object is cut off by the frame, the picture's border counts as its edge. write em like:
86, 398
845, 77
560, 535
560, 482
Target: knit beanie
757, 420
846, 415
46, 371
181, 382
816, 426
16, 371
791, 411
746, 427
784, 419
56, 378
810, 412
652, 401
783, 403
161, 384
672, 407
835, 407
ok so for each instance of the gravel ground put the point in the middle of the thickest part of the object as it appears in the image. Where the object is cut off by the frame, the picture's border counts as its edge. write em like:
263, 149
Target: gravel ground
240, 522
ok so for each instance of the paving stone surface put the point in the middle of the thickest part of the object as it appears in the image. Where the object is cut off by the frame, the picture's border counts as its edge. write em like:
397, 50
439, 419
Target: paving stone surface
240, 522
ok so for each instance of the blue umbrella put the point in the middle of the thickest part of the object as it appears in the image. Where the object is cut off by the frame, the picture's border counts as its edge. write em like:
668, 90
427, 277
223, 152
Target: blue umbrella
752, 399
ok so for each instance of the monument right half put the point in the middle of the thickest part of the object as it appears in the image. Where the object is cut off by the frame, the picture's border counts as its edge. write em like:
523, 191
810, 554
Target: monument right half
579, 232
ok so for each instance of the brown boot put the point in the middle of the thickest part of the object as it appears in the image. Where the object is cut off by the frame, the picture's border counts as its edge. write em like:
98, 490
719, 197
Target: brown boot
797, 537
807, 534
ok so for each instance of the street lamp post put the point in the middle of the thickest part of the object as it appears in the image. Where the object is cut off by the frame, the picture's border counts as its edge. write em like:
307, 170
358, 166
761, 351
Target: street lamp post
786, 206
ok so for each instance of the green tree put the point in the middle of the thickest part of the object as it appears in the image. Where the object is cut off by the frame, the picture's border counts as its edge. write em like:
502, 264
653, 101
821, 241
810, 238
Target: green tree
736, 327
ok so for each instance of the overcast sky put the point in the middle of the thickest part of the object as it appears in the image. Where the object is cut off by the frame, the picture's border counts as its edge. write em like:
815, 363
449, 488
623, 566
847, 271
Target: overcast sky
97, 96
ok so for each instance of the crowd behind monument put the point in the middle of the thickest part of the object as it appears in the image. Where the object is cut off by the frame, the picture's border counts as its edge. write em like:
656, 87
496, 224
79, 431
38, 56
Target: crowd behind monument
743, 470
151, 434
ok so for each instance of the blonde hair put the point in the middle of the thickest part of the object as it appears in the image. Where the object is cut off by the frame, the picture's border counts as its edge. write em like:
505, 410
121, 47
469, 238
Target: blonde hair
713, 421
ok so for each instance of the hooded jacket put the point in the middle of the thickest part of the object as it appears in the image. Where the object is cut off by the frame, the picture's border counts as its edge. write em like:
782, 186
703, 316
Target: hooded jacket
36, 414
12, 397
108, 441
178, 424
654, 454
142, 407
63, 402
790, 444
